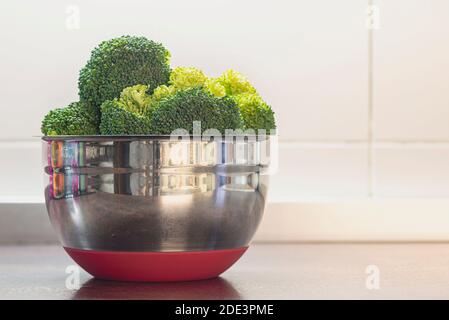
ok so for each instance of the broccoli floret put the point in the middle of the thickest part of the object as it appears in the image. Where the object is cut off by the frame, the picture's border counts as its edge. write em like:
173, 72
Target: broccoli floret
235, 83
75, 119
180, 110
119, 63
255, 112
181, 78
130, 114
214, 87
162, 92
187, 77
115, 120
136, 99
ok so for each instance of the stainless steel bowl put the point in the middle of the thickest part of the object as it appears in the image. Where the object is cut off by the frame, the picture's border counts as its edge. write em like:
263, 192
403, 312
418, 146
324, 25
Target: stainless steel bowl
153, 194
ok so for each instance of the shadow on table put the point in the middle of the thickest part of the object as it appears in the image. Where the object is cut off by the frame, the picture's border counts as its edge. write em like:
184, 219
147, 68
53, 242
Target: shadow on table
217, 288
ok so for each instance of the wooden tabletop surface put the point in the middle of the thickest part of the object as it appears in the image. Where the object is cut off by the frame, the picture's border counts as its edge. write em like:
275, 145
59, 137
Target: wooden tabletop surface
281, 271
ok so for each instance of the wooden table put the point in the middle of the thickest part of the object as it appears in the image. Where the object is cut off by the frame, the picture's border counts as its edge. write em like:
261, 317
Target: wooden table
267, 271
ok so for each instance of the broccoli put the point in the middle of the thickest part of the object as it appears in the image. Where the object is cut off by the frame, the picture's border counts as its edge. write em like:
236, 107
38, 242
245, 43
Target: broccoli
186, 78
255, 112
162, 92
127, 87
119, 63
181, 78
180, 110
136, 99
115, 120
214, 87
129, 114
235, 83
75, 119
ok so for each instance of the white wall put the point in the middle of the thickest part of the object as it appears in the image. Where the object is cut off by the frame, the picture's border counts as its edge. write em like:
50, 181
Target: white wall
361, 112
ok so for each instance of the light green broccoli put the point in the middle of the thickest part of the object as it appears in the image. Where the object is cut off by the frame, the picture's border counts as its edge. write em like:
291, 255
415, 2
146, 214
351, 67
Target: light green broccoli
186, 77
235, 83
255, 112
136, 99
181, 78
214, 87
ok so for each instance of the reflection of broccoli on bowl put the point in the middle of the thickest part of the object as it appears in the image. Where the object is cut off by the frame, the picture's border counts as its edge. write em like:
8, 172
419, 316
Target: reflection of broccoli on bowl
127, 88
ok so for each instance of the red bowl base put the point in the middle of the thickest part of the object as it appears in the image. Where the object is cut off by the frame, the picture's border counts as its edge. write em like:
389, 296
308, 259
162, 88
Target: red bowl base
155, 266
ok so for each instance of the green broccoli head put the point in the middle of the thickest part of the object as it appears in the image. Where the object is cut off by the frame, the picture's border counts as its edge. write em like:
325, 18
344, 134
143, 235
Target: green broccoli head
255, 112
75, 119
129, 114
115, 120
180, 110
119, 63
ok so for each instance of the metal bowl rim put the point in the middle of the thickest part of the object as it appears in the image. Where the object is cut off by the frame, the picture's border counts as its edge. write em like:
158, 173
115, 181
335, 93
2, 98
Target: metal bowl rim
105, 138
